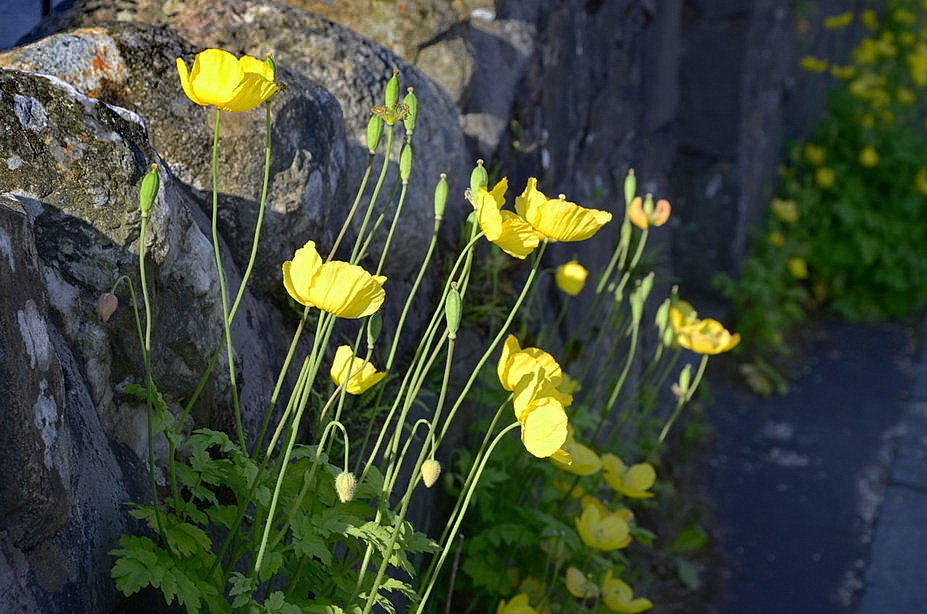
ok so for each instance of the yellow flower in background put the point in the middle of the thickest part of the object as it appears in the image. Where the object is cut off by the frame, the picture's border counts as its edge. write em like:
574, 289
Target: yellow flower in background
825, 177
359, 374
571, 277
843, 72
917, 64
556, 218
565, 487
815, 154
345, 290
634, 481
220, 79
601, 530
869, 19
798, 268
920, 181
509, 232
579, 585
619, 597
785, 210
776, 239
836, 22
584, 459
518, 605
813, 64
706, 337
868, 156
643, 213
905, 96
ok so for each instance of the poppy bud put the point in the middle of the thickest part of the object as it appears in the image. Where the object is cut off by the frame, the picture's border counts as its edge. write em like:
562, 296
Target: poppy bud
452, 311
431, 469
106, 306
374, 326
345, 485
149, 190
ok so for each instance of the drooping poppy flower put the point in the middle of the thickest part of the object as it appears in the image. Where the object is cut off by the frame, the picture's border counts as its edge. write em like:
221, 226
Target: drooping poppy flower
356, 374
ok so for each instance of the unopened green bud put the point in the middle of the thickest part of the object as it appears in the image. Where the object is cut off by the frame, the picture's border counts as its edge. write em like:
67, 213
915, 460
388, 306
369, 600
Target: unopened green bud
662, 317
149, 190
440, 198
431, 469
273, 66
637, 302
405, 162
630, 187
625, 234
648, 204
646, 286
391, 95
685, 378
411, 102
452, 311
374, 326
345, 485
374, 132
479, 178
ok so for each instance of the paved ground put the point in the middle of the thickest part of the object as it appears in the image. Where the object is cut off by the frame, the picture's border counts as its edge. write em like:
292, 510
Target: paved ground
821, 495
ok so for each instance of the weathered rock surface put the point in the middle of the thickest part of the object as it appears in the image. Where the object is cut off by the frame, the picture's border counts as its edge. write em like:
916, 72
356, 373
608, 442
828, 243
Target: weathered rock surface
133, 66
348, 65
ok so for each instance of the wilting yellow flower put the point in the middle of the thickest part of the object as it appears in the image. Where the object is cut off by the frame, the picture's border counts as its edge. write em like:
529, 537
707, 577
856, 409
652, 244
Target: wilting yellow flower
512, 234
798, 268
543, 427
634, 481
776, 239
359, 374
556, 218
619, 597
706, 337
815, 154
657, 215
920, 181
345, 290
571, 277
868, 156
580, 586
518, 605
220, 79
785, 210
813, 64
838, 21
825, 177
584, 460
600, 530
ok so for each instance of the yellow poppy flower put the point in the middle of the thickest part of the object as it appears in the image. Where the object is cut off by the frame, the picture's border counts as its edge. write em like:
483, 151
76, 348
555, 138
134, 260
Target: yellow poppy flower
579, 585
785, 209
600, 530
345, 290
543, 427
868, 156
556, 218
360, 374
530, 373
584, 460
509, 232
798, 268
920, 181
619, 597
815, 154
813, 64
642, 218
776, 239
633, 481
518, 605
220, 79
825, 177
706, 337
836, 22
571, 277
682, 314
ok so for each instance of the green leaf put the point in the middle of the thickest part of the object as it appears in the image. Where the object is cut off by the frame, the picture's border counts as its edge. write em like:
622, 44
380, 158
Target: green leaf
186, 539
691, 537
689, 574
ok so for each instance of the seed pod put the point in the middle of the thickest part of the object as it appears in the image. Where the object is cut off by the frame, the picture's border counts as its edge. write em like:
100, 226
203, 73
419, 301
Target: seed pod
345, 485
374, 133
452, 311
149, 190
431, 469
440, 198
479, 178
391, 94
411, 102
630, 187
405, 162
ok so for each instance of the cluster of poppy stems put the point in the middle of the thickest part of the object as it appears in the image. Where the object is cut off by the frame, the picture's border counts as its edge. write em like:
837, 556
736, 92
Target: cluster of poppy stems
541, 390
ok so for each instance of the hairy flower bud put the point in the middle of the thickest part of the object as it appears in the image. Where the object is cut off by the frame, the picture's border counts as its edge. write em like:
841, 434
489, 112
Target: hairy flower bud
440, 198
411, 101
149, 190
106, 306
391, 94
630, 187
479, 178
345, 485
374, 133
452, 310
431, 469
405, 162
